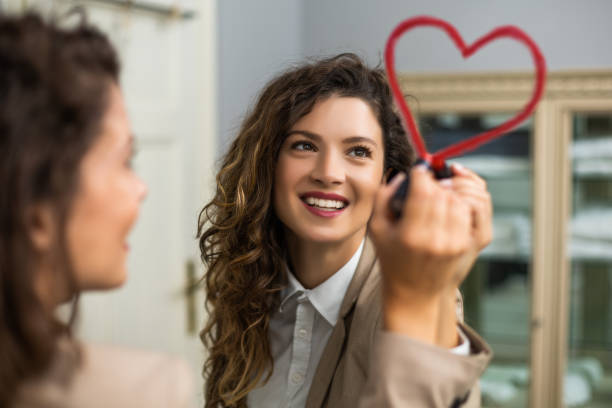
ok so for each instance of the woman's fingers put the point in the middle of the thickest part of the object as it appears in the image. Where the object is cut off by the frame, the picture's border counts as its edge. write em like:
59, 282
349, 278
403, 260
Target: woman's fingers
422, 186
438, 220
460, 220
480, 216
479, 199
434, 216
472, 189
387, 190
382, 218
431, 247
461, 171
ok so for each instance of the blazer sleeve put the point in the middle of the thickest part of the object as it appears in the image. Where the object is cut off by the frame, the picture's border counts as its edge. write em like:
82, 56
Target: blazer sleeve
408, 373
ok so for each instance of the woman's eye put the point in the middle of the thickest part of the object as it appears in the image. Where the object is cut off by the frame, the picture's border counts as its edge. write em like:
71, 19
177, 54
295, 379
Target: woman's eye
360, 151
303, 146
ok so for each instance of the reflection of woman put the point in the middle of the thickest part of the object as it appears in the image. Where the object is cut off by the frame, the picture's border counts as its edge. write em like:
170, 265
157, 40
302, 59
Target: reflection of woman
294, 271
68, 198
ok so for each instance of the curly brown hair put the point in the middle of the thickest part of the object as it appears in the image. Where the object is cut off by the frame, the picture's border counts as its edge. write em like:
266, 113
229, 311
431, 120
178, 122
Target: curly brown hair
241, 238
54, 86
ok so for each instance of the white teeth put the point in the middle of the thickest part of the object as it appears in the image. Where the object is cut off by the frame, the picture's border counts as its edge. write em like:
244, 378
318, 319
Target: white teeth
325, 204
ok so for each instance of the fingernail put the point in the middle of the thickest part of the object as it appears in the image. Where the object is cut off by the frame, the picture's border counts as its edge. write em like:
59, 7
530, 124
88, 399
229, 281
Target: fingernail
458, 166
446, 183
397, 178
421, 168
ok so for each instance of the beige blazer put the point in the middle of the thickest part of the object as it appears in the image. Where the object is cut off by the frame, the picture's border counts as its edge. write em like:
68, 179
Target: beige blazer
367, 367
111, 377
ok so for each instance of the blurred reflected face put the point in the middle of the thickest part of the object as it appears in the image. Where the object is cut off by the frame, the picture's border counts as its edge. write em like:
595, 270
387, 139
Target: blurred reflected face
329, 170
106, 204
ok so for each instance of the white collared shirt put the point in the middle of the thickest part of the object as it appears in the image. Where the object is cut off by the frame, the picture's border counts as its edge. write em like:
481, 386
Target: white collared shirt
299, 332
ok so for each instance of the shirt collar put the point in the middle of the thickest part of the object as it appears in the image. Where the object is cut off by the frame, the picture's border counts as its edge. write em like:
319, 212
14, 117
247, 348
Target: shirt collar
327, 297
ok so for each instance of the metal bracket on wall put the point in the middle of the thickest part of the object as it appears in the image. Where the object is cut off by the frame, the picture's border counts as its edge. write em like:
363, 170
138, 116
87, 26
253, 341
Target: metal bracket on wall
165, 11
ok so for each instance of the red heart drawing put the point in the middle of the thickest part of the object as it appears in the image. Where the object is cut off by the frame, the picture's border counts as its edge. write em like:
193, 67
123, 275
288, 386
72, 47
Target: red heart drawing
437, 159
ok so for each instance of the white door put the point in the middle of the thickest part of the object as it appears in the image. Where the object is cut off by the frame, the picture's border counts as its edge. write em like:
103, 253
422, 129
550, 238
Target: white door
168, 82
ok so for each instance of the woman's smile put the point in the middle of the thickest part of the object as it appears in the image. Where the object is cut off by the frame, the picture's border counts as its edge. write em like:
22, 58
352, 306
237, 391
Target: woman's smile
324, 204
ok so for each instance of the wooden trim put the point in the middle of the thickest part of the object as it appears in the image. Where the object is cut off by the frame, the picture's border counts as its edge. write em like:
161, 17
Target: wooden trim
466, 106
506, 85
551, 194
560, 307
543, 259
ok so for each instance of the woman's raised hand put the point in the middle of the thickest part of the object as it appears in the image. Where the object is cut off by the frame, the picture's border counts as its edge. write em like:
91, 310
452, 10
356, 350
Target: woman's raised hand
426, 254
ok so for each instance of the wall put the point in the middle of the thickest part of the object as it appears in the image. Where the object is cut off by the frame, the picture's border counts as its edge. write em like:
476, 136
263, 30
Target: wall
571, 34
257, 39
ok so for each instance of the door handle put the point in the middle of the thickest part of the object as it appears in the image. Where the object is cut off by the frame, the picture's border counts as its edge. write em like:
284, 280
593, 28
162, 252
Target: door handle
190, 297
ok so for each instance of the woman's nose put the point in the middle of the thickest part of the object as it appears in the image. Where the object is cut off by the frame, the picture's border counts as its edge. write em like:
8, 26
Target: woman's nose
329, 169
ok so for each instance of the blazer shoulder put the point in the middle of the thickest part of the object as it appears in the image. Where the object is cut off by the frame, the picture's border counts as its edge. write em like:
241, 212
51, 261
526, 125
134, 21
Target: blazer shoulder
115, 377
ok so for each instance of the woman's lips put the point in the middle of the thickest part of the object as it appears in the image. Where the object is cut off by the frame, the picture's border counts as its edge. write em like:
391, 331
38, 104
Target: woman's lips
322, 204
324, 213
324, 196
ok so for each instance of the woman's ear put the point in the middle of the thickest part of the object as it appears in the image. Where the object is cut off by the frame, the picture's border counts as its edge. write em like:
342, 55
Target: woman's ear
41, 226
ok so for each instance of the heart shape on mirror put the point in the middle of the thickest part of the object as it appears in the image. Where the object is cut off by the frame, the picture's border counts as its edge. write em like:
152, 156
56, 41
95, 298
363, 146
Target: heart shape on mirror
438, 158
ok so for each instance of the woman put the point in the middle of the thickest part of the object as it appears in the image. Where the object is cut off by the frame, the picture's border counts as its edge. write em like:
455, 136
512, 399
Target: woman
68, 199
306, 264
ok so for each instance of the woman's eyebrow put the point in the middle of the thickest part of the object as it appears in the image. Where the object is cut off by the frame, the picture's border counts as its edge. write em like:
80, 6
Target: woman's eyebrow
360, 139
348, 140
309, 135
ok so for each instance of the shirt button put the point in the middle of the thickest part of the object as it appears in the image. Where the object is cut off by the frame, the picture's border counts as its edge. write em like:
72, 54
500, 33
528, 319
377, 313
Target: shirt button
302, 333
296, 378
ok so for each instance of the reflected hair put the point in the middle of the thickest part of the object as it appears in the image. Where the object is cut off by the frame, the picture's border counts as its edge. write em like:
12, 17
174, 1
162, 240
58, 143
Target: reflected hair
240, 236
54, 86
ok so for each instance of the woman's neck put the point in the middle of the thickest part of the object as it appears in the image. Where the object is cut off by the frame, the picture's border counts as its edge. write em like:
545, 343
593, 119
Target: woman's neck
315, 262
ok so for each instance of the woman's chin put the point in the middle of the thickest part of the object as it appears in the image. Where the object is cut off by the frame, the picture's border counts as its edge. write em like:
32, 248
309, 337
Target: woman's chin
110, 281
326, 236
119, 279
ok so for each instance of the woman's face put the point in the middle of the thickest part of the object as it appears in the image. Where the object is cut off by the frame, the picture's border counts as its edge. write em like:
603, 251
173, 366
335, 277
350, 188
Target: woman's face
106, 204
329, 170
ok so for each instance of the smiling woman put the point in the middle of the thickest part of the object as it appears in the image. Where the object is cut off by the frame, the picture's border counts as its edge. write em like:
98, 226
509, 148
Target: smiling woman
305, 265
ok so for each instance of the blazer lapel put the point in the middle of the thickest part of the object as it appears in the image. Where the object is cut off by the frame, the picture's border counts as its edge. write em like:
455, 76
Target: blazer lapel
331, 354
